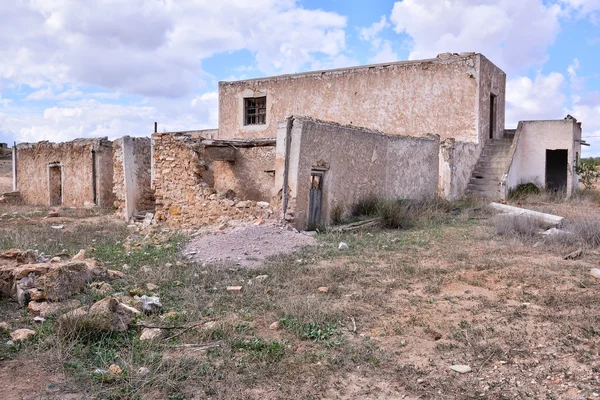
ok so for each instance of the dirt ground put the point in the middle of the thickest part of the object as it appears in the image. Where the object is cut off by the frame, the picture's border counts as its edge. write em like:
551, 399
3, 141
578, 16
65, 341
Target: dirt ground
5, 175
399, 309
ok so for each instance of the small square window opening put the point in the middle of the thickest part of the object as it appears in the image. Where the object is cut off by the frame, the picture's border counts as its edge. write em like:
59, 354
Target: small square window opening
255, 111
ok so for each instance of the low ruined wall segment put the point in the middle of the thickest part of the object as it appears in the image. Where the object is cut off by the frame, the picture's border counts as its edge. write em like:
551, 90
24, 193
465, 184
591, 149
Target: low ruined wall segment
356, 163
184, 183
75, 159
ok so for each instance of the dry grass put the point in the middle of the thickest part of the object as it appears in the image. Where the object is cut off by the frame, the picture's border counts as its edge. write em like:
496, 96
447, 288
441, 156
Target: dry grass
447, 291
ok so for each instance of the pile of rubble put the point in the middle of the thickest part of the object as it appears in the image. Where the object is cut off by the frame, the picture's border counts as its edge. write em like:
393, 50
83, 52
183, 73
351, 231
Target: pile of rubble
45, 287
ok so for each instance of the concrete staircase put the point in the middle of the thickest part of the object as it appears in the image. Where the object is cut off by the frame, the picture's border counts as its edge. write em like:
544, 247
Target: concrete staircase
485, 180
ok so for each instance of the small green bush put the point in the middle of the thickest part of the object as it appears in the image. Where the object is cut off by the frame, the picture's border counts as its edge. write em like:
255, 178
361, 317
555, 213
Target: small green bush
337, 214
523, 190
394, 214
366, 206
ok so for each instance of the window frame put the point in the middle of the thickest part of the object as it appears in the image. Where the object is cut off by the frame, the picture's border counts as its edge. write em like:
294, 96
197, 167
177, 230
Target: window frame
259, 114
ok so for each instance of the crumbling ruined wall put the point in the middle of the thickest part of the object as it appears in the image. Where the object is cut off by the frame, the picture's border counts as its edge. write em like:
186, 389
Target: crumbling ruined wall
77, 170
368, 164
414, 98
132, 181
184, 178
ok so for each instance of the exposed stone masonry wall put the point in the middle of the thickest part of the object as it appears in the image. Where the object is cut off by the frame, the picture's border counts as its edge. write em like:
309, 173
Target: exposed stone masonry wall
184, 197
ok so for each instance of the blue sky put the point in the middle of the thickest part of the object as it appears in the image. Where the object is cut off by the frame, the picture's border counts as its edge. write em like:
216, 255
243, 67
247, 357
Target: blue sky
111, 68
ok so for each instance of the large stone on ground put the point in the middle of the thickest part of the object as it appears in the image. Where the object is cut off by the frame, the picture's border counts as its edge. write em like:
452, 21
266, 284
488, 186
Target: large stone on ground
64, 281
46, 309
107, 315
21, 334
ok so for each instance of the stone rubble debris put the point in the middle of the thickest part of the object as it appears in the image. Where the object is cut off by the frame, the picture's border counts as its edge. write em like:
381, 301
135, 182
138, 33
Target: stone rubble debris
21, 334
148, 304
343, 246
151, 334
106, 315
461, 369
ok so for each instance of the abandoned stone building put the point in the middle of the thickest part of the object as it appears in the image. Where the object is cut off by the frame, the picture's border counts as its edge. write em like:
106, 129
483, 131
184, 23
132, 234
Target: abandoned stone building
72, 174
298, 146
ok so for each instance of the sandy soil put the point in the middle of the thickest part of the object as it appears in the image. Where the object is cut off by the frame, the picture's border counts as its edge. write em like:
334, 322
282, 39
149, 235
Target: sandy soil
5, 176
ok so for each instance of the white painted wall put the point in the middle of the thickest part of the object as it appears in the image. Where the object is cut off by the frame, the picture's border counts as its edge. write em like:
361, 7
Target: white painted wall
534, 138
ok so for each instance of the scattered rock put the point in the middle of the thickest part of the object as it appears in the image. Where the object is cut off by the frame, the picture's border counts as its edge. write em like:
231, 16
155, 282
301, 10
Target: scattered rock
275, 326
39, 320
3, 326
151, 334
55, 260
57, 226
114, 274
261, 278
143, 371
461, 369
151, 287
45, 309
79, 256
64, 281
108, 315
577, 254
148, 304
234, 288
125, 267
343, 246
114, 370
172, 315
595, 273
53, 213
323, 289
21, 334
263, 204
103, 287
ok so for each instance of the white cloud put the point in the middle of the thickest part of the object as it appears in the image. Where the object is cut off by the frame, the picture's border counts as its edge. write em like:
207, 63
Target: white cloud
382, 49
515, 34
371, 32
155, 48
533, 99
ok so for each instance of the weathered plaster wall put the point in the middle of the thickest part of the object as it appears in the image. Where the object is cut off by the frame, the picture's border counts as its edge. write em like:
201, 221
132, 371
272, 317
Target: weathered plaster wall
132, 183
534, 138
75, 158
414, 98
183, 180
359, 163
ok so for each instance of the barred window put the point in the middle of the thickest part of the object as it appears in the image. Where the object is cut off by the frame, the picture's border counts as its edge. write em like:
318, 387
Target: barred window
255, 111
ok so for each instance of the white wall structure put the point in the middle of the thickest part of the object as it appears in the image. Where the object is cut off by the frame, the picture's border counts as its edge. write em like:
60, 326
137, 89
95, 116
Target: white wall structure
543, 152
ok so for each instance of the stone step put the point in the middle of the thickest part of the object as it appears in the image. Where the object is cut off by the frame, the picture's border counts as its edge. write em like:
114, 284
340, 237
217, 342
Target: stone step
484, 182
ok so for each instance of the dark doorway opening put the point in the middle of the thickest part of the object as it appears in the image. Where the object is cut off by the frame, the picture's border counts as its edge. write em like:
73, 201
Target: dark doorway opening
492, 115
315, 197
556, 169
55, 184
